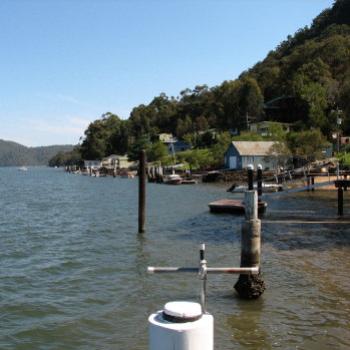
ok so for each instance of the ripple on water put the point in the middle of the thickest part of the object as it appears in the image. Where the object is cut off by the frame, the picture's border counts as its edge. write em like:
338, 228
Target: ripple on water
72, 268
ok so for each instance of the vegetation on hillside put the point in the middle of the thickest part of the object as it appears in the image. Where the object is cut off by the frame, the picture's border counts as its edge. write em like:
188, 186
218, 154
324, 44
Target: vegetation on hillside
303, 81
14, 154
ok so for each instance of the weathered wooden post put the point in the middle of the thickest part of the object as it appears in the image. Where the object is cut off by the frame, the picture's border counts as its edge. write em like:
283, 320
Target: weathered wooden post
250, 287
259, 182
250, 170
345, 183
340, 200
142, 191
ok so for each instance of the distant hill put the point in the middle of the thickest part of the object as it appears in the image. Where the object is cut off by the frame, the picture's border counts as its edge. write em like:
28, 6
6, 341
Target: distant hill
15, 154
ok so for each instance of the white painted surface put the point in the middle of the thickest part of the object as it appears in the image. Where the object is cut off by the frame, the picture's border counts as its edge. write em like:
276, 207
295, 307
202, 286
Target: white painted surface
196, 335
183, 309
233, 162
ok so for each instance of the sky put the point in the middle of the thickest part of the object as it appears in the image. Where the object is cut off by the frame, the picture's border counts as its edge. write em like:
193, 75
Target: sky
63, 63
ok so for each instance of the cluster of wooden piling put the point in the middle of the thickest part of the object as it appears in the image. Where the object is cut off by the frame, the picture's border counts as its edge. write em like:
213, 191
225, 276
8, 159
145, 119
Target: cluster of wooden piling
155, 174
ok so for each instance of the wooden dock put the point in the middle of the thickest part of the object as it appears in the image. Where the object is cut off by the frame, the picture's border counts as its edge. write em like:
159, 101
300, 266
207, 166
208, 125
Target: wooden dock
232, 206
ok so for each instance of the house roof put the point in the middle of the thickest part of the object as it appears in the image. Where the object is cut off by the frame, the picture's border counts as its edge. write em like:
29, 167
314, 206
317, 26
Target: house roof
115, 156
253, 148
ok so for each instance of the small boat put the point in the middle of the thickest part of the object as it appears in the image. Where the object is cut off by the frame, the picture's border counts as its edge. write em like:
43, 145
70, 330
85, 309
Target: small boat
23, 168
127, 174
266, 187
172, 179
189, 182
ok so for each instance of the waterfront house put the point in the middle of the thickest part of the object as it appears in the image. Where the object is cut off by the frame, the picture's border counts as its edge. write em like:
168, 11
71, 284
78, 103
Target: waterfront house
92, 164
263, 128
164, 137
115, 161
178, 146
173, 144
242, 153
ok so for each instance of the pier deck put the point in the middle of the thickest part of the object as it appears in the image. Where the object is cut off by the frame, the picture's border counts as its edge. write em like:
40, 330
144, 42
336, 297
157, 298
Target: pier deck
232, 206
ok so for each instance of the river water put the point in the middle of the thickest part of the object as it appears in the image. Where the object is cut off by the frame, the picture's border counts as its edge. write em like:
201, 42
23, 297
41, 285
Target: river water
73, 268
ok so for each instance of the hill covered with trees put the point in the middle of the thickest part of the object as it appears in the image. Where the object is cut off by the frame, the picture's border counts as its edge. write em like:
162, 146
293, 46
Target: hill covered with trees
303, 81
15, 154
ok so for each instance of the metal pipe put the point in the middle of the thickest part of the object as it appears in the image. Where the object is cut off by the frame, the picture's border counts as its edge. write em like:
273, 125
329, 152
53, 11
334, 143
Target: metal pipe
211, 270
203, 276
232, 270
153, 269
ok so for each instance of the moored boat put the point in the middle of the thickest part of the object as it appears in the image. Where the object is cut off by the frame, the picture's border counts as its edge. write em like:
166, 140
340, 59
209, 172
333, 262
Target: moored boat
189, 182
266, 187
172, 179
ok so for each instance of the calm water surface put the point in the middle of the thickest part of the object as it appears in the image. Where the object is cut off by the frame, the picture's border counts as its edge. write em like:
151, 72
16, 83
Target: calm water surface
72, 266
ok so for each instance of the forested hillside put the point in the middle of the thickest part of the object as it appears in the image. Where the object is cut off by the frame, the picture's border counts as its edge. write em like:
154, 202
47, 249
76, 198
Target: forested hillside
304, 81
14, 154
312, 69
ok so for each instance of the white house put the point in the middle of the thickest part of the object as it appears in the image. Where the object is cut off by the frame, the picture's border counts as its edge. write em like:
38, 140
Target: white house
263, 128
115, 161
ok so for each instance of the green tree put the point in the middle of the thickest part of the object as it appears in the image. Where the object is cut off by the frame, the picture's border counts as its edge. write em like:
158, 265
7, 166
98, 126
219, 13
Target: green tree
307, 145
98, 136
223, 141
142, 143
157, 152
198, 159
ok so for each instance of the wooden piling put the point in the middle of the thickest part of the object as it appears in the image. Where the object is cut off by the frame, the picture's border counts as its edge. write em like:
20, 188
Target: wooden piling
345, 183
250, 177
259, 182
142, 191
250, 286
340, 201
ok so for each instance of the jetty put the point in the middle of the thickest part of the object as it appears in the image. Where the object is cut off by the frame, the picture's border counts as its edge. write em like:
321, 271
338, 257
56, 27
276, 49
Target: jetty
233, 206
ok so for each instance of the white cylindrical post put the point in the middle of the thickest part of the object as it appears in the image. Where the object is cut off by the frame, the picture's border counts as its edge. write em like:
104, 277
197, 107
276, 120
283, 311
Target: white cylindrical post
181, 326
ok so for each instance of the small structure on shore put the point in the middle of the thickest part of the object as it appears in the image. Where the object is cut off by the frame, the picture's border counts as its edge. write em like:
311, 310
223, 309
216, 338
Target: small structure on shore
92, 164
116, 162
242, 153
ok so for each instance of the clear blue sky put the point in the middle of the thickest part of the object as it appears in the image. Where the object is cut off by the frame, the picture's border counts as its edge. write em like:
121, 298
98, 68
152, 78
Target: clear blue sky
63, 63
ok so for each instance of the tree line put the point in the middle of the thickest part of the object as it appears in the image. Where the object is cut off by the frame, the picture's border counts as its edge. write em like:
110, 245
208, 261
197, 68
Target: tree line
303, 81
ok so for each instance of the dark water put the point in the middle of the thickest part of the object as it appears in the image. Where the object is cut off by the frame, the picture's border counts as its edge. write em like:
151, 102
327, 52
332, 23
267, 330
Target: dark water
72, 267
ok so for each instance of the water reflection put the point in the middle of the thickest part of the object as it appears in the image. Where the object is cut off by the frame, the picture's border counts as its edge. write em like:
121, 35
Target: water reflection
73, 268
245, 325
